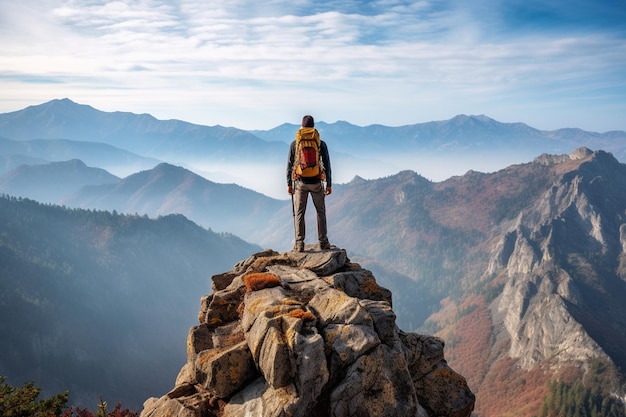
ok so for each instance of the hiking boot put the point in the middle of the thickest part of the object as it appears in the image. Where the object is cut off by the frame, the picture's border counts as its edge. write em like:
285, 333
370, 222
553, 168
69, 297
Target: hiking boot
298, 247
325, 245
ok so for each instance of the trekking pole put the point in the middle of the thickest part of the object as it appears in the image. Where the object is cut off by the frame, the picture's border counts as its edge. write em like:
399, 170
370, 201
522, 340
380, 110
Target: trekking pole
293, 213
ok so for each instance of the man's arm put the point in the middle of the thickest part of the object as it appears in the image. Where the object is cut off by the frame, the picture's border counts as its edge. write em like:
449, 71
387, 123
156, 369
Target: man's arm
326, 161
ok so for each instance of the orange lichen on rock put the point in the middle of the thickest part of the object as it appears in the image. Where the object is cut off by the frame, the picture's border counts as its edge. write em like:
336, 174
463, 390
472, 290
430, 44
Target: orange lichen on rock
301, 314
259, 280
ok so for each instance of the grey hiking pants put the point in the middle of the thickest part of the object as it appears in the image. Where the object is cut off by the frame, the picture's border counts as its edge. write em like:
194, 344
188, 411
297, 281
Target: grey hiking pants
301, 195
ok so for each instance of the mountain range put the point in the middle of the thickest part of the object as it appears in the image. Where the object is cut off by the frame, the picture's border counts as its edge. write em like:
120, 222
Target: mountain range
169, 189
256, 159
49, 183
142, 134
521, 270
460, 134
42, 151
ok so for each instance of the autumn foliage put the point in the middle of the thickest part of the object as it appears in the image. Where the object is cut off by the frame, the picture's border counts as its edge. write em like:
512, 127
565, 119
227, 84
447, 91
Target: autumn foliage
502, 388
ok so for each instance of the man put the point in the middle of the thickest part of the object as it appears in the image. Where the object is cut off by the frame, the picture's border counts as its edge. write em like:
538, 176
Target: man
306, 176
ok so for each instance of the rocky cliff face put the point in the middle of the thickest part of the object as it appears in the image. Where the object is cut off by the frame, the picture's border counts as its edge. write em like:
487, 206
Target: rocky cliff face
560, 257
308, 334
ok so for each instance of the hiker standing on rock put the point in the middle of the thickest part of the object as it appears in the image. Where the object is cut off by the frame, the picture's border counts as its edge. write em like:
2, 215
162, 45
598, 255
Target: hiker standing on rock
308, 166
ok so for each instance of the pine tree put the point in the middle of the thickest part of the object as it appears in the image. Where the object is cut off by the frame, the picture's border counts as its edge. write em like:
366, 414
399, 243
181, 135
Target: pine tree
23, 402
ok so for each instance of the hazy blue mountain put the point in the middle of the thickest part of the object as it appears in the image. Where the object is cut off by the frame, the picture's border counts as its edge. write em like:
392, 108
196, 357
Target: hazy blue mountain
41, 151
98, 303
140, 133
168, 189
255, 159
461, 134
50, 183
438, 150
10, 162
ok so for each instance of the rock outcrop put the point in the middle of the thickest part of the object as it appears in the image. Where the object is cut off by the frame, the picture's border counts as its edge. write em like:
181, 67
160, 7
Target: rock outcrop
308, 334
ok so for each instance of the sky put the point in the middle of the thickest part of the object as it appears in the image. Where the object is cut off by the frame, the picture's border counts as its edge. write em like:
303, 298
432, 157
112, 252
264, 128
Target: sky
256, 65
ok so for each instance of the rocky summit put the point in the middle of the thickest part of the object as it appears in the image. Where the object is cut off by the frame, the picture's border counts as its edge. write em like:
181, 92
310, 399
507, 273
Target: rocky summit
308, 334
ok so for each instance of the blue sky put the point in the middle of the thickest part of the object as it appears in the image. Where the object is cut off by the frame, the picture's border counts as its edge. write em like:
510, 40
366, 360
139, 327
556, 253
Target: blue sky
255, 65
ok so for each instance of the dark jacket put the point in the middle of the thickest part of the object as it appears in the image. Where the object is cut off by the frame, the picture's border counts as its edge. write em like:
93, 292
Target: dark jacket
325, 160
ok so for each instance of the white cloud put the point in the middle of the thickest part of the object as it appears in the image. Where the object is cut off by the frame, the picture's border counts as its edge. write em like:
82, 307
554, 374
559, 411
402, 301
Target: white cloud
389, 62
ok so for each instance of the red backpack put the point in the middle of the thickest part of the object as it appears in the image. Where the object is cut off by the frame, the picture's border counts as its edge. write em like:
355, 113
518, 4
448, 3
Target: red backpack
307, 161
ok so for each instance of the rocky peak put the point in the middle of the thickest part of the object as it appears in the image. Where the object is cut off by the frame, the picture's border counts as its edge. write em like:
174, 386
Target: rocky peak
577, 154
308, 334
557, 259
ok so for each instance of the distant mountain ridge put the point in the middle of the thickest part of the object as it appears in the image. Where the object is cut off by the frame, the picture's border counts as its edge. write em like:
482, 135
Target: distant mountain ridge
162, 190
462, 133
49, 183
143, 134
168, 189
255, 159
43, 151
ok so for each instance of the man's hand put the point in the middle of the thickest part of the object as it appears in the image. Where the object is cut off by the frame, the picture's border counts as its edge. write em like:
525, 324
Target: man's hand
329, 190
290, 189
